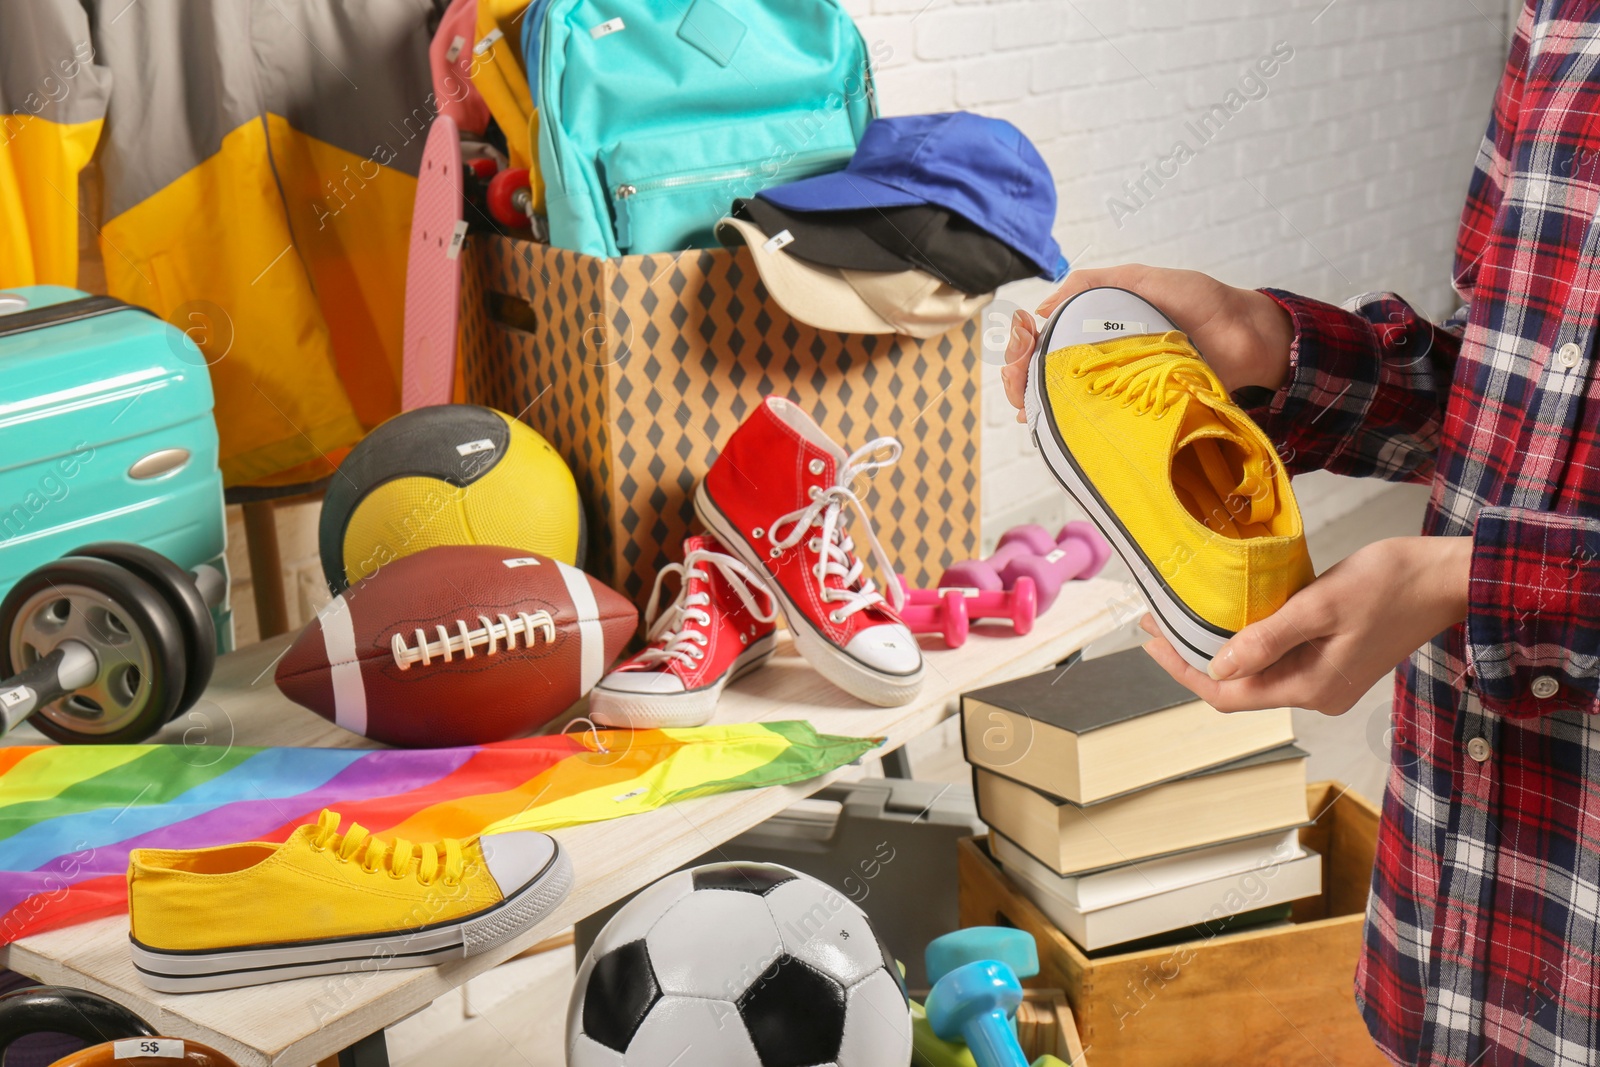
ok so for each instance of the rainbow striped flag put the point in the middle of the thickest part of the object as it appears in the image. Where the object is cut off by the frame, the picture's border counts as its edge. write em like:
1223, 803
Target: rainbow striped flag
69, 815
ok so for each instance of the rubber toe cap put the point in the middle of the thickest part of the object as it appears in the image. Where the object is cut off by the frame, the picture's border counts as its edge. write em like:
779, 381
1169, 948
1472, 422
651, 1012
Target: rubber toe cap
653, 683
888, 648
516, 858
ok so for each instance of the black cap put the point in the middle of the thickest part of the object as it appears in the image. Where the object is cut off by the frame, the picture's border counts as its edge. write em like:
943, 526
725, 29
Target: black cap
921, 237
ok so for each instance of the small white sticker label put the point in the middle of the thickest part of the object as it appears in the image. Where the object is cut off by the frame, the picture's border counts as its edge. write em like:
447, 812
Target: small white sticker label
968, 591
12, 697
487, 43
606, 28
781, 239
1055, 556
458, 237
472, 448
521, 561
454, 51
630, 794
1113, 326
137, 1048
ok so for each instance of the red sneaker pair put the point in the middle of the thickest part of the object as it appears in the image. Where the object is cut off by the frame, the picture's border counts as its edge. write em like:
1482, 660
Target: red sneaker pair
777, 505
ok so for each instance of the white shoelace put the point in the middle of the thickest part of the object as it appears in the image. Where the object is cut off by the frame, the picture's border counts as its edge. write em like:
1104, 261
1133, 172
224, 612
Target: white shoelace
675, 636
833, 546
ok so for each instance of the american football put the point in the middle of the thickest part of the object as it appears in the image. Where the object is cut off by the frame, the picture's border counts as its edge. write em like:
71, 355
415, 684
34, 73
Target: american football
457, 645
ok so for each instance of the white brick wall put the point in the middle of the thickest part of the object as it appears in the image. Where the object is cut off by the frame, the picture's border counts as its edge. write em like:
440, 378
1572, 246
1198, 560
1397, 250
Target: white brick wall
1346, 175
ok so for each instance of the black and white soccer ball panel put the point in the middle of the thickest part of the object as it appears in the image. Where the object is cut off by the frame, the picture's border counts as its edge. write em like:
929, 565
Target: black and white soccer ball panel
713, 943
742, 965
814, 927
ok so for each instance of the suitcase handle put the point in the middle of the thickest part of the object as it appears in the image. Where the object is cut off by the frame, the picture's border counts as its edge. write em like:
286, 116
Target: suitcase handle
87, 307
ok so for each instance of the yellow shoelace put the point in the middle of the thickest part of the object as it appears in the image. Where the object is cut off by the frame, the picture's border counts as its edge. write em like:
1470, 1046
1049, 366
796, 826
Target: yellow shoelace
432, 859
1152, 374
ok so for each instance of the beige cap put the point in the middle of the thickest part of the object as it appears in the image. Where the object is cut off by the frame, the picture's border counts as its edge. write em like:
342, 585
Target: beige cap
911, 302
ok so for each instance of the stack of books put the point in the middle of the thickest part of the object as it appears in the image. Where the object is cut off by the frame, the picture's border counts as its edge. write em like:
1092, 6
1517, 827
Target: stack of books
1129, 810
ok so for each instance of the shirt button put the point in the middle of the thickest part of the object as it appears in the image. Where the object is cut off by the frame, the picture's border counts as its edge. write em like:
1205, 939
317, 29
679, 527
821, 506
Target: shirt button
1545, 687
1569, 355
1478, 749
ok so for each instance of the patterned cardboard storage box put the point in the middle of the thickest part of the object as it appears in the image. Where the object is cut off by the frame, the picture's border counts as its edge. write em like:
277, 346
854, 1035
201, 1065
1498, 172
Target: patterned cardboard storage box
639, 368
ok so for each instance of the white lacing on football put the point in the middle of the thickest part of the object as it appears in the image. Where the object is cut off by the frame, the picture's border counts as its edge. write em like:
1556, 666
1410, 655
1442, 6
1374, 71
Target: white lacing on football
491, 633
835, 551
676, 634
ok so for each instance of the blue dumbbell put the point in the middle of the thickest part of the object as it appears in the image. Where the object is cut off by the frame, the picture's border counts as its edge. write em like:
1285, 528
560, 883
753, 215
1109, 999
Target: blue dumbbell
1012, 947
974, 1002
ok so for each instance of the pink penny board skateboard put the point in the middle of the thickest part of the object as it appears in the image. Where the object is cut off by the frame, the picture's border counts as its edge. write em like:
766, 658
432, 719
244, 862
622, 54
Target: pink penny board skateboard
433, 272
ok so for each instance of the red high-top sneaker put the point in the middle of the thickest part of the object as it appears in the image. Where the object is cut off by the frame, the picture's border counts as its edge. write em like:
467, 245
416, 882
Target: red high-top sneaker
776, 496
719, 627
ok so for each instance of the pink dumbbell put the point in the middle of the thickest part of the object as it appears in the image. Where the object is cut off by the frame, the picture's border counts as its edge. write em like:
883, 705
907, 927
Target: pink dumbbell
984, 575
1079, 552
935, 611
1018, 605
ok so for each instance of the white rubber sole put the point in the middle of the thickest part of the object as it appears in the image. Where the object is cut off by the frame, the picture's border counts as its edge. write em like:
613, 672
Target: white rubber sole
195, 972
648, 711
1196, 640
831, 661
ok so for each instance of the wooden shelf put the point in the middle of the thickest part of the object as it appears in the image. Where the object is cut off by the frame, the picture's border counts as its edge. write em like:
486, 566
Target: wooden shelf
299, 1022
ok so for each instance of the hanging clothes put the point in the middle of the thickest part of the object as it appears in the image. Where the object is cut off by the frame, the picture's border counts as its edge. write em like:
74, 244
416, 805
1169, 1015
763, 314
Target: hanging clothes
259, 161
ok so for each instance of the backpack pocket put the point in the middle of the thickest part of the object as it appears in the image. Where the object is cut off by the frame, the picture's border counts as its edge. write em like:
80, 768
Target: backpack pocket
667, 191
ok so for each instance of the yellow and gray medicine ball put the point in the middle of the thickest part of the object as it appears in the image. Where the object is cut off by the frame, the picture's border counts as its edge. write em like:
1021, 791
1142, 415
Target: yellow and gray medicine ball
452, 474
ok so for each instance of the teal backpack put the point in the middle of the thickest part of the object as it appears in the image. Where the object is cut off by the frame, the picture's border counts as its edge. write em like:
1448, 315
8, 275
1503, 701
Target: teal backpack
654, 117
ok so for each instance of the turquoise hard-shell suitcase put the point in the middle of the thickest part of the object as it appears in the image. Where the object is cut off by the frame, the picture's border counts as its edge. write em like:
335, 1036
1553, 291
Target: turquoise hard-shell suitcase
106, 434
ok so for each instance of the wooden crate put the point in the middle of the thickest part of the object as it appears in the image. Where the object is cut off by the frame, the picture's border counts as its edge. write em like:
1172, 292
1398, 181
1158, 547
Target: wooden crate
1045, 1027
1282, 997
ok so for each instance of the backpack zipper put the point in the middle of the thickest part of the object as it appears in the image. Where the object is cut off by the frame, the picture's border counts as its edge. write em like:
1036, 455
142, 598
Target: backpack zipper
800, 167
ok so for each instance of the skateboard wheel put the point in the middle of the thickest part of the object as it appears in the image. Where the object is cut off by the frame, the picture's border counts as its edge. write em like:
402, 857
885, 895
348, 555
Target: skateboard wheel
504, 204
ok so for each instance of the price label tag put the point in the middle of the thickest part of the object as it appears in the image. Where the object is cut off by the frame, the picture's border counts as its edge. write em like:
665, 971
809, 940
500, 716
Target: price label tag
781, 239
458, 237
520, 561
1055, 556
135, 1048
457, 43
607, 28
12, 697
1113, 326
472, 448
488, 42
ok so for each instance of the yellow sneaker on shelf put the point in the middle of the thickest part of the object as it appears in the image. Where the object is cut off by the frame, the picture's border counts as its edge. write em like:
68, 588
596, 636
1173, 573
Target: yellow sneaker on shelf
325, 903
1185, 486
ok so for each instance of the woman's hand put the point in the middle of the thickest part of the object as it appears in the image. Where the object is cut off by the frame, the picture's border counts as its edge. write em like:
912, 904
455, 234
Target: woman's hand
1244, 335
1339, 635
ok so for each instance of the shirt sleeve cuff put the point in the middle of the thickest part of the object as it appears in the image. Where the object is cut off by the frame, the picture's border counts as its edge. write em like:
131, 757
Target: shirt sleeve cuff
1324, 398
1533, 612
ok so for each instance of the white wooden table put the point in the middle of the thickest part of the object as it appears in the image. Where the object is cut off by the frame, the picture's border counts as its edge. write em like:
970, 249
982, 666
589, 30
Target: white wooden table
300, 1022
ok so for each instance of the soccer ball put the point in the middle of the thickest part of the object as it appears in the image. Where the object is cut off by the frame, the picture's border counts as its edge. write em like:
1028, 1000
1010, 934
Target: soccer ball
738, 965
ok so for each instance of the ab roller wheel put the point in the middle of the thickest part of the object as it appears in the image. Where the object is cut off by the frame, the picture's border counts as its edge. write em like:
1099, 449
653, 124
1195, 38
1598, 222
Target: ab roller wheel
63, 1010
183, 593
106, 645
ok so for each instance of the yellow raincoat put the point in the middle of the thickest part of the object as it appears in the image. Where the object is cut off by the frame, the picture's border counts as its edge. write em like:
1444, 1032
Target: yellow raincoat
259, 160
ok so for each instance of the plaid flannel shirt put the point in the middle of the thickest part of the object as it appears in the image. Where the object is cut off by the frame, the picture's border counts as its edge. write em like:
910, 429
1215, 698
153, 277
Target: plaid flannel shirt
1482, 944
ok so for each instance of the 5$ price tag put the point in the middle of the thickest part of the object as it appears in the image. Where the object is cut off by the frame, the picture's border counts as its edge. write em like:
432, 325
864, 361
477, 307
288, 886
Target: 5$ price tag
135, 1048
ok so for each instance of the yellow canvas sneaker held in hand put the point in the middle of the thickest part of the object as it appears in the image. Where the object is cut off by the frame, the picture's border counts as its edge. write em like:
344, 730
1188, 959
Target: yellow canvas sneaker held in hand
323, 902
1183, 484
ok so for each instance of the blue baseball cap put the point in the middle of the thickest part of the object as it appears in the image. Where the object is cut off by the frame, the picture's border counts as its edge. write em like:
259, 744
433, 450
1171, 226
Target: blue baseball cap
983, 169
